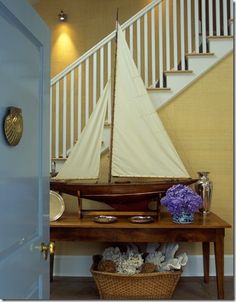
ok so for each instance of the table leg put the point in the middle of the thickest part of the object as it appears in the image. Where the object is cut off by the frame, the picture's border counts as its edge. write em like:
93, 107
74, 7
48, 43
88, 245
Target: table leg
206, 260
51, 266
219, 261
51, 254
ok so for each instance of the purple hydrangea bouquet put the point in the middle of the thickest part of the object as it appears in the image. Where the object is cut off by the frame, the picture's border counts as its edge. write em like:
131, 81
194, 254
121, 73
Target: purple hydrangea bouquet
182, 202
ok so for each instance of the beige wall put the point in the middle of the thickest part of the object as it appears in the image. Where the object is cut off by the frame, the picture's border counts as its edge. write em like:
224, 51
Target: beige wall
199, 120
88, 22
200, 123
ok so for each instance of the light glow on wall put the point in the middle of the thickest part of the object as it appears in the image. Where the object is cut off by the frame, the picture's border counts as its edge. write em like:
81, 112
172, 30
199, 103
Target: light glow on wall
64, 47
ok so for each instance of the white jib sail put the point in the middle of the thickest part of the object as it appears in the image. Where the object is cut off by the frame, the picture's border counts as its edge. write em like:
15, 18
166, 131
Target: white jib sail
141, 145
84, 159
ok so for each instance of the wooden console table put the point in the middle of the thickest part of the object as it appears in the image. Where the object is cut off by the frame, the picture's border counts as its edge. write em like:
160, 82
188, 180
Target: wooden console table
205, 229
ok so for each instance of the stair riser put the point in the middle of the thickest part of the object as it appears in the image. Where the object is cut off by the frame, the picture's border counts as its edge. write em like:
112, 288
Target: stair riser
220, 47
178, 81
201, 64
159, 98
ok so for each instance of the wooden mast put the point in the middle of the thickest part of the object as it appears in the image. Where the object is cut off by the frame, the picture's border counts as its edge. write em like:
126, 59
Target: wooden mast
113, 100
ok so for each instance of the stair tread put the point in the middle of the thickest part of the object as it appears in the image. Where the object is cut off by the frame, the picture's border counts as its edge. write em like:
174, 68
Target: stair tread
59, 158
178, 71
220, 37
200, 54
159, 89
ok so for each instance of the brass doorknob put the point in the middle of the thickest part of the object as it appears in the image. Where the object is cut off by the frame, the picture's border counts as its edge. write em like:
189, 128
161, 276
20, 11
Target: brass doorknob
47, 249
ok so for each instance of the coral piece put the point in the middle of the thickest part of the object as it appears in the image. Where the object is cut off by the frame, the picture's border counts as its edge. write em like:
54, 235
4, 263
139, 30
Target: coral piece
169, 250
111, 253
183, 259
152, 247
155, 258
132, 249
170, 265
129, 265
107, 266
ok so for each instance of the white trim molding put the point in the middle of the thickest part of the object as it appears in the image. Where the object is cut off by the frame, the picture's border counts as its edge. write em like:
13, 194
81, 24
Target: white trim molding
79, 266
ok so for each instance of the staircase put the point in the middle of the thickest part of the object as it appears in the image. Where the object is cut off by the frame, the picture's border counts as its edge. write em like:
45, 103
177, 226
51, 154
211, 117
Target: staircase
173, 43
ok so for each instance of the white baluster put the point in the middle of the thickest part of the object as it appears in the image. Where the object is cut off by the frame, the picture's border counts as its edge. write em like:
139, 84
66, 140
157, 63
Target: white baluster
64, 117
131, 39
232, 20
175, 46
138, 47
94, 79
101, 70
109, 77
50, 138
196, 25
225, 21
189, 18
72, 84
203, 26
153, 39
160, 46
57, 121
146, 50
79, 100
86, 91
167, 35
217, 17
182, 35
210, 18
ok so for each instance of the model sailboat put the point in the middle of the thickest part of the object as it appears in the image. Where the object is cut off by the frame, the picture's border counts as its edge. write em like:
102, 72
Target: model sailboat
140, 146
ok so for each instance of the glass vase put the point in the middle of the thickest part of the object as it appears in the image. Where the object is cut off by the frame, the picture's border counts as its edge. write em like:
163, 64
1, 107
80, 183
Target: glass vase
183, 218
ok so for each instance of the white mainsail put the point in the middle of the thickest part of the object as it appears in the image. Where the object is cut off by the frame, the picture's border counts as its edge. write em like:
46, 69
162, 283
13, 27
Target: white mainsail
84, 159
141, 146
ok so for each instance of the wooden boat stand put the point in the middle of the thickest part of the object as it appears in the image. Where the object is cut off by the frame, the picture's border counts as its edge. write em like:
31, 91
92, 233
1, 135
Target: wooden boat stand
88, 213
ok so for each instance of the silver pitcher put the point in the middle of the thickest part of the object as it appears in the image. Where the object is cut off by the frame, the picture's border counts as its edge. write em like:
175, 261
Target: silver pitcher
204, 188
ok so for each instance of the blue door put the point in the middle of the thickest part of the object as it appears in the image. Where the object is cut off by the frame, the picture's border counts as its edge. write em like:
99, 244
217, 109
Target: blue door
24, 166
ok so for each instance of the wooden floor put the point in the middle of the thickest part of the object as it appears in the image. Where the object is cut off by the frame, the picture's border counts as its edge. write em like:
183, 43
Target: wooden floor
188, 288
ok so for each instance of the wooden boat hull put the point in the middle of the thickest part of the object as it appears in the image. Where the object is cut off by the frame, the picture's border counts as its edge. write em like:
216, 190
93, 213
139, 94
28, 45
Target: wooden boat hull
120, 196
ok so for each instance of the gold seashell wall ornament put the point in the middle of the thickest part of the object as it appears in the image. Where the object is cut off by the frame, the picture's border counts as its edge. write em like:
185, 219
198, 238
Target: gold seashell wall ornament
13, 126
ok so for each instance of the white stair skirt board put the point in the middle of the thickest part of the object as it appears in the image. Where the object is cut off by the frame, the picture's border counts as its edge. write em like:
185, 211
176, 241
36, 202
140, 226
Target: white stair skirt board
79, 266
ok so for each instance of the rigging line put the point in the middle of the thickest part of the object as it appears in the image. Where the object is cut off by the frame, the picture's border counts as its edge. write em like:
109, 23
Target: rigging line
113, 100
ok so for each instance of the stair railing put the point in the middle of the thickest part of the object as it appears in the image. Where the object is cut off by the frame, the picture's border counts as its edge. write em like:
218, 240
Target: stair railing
159, 37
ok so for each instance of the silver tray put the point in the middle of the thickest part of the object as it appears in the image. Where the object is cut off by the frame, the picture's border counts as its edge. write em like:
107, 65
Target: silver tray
57, 206
105, 219
141, 219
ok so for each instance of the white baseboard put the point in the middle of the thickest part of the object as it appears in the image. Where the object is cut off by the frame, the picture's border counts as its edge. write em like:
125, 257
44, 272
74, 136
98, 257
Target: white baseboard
79, 266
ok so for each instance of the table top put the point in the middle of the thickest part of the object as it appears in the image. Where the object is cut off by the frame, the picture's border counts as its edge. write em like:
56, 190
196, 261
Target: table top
209, 221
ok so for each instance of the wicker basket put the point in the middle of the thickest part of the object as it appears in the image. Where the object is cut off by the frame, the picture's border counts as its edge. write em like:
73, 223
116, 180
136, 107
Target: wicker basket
113, 286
